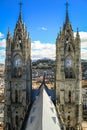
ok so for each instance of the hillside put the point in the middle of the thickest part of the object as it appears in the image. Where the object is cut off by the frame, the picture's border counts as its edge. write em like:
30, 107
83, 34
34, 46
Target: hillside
43, 64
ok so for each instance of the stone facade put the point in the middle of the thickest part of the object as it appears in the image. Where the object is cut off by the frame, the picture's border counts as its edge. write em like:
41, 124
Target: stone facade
68, 76
17, 76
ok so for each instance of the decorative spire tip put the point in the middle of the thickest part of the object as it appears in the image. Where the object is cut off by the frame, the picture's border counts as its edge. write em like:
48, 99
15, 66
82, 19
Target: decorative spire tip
20, 3
67, 17
66, 4
20, 14
77, 30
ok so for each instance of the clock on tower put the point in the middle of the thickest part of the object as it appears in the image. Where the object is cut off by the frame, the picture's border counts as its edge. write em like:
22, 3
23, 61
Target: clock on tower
68, 63
17, 65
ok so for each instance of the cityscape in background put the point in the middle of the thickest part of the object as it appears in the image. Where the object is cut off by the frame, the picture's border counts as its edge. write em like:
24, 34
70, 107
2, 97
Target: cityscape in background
40, 67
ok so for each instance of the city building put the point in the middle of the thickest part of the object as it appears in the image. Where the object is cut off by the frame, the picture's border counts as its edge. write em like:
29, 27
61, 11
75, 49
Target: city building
84, 99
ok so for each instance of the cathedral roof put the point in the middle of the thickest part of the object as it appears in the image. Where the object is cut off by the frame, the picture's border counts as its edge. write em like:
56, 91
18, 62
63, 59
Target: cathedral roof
43, 115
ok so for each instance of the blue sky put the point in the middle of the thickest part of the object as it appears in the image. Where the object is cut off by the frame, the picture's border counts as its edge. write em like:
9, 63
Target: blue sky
43, 19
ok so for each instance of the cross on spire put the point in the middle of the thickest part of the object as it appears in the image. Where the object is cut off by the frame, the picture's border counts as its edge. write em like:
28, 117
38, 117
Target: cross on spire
20, 14
66, 4
20, 3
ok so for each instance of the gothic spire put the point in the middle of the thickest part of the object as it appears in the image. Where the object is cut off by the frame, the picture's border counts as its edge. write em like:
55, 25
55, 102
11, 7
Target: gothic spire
44, 78
67, 16
77, 31
20, 13
77, 34
8, 34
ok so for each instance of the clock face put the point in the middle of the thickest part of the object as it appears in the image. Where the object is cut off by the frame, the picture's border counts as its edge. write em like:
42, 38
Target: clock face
18, 62
68, 63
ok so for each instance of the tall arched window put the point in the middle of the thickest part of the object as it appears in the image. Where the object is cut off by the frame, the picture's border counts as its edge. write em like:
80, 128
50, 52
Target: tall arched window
16, 96
8, 126
69, 97
16, 121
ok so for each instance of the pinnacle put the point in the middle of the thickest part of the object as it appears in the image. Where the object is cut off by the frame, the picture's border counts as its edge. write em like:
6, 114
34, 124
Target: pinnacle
67, 16
20, 13
8, 35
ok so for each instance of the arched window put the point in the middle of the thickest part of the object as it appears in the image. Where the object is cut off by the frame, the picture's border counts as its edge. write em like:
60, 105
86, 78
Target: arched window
16, 121
68, 118
69, 97
8, 126
69, 73
16, 96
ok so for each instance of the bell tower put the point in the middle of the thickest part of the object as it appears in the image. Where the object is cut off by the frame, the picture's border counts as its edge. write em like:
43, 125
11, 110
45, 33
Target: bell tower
18, 78
68, 75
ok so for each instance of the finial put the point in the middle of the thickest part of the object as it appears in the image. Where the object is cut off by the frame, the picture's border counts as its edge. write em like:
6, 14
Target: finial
8, 30
66, 4
77, 30
20, 3
67, 17
8, 35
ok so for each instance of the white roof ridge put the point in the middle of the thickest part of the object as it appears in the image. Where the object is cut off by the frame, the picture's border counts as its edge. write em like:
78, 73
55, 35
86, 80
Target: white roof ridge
43, 115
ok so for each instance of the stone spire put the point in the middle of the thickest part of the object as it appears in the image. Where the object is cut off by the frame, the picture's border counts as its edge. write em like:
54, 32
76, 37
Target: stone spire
67, 16
77, 34
20, 13
77, 39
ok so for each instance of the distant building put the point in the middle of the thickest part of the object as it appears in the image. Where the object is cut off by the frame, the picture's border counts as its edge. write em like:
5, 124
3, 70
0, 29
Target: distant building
84, 100
2, 112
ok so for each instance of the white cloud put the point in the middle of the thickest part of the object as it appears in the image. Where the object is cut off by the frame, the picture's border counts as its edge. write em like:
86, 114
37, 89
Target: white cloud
42, 50
2, 50
1, 35
3, 43
83, 36
42, 28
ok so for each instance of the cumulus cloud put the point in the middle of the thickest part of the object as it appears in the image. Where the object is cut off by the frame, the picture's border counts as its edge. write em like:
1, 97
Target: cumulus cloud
1, 35
83, 36
3, 43
2, 50
42, 50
